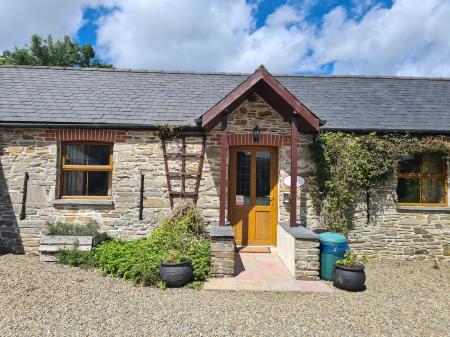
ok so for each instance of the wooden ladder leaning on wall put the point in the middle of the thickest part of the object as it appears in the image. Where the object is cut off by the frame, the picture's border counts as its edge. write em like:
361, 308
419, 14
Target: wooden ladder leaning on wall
183, 174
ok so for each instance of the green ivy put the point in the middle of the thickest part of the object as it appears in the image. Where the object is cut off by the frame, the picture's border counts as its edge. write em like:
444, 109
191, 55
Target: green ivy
347, 163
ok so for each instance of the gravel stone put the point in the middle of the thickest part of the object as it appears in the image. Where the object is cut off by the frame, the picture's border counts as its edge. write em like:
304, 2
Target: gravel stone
45, 299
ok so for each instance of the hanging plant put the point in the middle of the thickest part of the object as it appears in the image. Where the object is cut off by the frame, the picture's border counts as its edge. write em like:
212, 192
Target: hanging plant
348, 163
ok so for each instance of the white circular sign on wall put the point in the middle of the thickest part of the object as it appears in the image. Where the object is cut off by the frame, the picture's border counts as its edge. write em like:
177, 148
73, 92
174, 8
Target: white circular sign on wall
300, 181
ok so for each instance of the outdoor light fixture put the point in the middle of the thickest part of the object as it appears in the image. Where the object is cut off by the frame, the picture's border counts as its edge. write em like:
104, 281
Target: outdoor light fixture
256, 134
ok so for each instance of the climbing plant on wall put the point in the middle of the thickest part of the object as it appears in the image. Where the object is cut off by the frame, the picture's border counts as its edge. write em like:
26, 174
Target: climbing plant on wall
167, 130
347, 163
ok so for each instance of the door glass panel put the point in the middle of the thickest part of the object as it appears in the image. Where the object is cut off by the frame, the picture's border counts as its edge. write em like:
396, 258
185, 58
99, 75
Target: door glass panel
263, 178
243, 175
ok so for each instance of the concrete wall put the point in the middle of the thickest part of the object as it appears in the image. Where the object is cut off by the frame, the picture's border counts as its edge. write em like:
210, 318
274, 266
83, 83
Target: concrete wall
286, 249
298, 248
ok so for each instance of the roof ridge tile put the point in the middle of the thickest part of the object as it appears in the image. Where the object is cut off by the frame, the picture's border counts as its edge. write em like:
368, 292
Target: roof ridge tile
192, 72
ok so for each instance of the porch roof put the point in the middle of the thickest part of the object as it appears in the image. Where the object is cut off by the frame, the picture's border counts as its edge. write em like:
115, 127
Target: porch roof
135, 99
272, 91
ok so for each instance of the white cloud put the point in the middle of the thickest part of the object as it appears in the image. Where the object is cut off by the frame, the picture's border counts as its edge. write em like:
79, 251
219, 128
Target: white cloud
280, 44
174, 34
411, 38
19, 19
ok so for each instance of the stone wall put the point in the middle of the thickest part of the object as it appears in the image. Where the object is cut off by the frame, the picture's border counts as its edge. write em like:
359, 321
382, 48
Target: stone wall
223, 249
307, 259
414, 233
36, 151
298, 248
400, 232
393, 232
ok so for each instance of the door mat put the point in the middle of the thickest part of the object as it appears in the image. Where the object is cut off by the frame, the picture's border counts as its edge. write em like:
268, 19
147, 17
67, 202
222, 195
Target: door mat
250, 249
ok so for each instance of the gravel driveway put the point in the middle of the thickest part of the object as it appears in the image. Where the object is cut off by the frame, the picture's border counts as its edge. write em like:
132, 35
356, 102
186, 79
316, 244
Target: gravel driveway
44, 299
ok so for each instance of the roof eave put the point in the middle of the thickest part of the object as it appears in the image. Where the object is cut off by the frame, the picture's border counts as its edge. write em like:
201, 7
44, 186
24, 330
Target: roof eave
261, 77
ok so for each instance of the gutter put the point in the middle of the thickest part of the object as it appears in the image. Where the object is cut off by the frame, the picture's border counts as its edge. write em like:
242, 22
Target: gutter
193, 129
385, 131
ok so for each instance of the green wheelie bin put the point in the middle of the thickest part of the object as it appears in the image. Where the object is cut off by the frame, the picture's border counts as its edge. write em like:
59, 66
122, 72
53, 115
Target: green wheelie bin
332, 248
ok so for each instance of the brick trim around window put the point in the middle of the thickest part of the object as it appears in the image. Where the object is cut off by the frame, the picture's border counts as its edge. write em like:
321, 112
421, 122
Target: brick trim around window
88, 135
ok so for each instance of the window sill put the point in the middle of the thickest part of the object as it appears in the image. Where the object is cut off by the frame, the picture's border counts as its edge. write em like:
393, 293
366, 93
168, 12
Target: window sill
88, 202
443, 209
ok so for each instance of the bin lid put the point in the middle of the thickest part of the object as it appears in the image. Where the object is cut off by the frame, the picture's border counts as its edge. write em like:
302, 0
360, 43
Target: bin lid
332, 237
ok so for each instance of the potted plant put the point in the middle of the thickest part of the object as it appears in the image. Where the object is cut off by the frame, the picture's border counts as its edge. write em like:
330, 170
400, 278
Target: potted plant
175, 272
348, 273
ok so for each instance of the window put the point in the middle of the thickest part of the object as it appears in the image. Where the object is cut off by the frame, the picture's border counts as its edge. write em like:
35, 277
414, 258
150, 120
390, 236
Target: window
422, 180
86, 170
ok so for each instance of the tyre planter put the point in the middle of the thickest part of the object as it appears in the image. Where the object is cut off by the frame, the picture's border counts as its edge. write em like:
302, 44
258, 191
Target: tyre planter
176, 275
349, 278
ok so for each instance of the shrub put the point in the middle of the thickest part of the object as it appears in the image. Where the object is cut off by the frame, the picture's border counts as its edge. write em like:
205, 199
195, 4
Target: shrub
180, 237
133, 260
63, 228
76, 258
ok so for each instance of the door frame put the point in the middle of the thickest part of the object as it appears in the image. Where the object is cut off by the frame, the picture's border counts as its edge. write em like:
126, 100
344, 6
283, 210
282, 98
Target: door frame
274, 172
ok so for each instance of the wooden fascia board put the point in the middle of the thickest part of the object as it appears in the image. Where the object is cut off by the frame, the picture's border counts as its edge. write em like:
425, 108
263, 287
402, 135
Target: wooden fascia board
212, 115
297, 106
240, 90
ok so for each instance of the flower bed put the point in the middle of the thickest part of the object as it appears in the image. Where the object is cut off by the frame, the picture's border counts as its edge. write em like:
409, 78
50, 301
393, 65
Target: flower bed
179, 238
63, 236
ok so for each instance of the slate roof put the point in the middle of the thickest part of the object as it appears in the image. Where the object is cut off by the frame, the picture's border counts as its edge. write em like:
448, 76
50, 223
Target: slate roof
100, 96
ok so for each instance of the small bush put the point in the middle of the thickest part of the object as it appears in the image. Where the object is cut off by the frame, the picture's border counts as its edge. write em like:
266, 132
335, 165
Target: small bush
76, 258
63, 228
133, 260
180, 237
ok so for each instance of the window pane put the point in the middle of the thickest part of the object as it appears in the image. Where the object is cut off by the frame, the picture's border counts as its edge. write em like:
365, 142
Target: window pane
263, 178
408, 190
76, 154
409, 165
98, 183
433, 163
74, 183
98, 154
433, 191
243, 173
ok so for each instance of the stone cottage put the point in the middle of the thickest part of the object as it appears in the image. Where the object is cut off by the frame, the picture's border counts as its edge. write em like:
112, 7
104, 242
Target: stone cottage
88, 144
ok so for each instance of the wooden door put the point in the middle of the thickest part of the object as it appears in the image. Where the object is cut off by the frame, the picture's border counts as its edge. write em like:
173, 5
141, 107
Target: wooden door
253, 201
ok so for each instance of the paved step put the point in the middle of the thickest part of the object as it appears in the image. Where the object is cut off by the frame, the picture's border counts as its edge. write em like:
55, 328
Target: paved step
264, 272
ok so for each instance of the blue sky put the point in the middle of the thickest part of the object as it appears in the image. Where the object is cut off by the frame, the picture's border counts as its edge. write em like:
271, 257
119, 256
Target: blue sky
382, 37
88, 32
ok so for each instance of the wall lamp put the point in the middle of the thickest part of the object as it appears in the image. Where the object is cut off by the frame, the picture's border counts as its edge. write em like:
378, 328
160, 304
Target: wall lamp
256, 134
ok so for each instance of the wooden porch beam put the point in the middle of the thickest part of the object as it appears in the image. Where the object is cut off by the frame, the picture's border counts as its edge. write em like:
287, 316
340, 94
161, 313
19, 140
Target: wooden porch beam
223, 168
294, 156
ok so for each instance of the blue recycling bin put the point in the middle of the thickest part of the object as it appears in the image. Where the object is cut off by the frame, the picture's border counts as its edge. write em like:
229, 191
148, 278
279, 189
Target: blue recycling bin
332, 248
